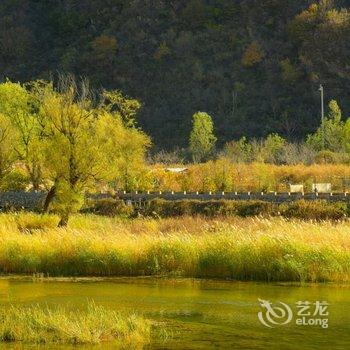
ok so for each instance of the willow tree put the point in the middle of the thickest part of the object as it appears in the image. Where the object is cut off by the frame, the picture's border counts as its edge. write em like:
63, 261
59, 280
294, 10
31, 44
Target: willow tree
7, 143
20, 107
124, 148
66, 120
85, 140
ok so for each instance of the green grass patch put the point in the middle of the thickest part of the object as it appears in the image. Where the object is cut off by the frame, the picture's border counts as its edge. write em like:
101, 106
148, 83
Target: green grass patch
96, 324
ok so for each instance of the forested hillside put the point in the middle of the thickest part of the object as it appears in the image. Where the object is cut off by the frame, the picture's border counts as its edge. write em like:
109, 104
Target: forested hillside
254, 66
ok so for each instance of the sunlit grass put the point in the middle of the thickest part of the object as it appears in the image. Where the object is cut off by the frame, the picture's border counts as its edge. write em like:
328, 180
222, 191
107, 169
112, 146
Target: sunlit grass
36, 324
243, 249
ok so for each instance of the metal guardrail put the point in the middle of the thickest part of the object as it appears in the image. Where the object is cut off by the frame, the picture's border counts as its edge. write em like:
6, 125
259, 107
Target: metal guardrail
21, 199
32, 200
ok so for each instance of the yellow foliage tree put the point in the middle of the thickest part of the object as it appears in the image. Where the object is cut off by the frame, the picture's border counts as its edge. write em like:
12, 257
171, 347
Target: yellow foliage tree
85, 143
253, 54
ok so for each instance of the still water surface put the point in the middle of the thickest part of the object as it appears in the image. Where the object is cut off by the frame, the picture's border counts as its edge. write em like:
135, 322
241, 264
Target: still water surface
197, 314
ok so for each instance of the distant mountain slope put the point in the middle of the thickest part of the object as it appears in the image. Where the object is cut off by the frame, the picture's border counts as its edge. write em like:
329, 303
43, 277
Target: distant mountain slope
255, 66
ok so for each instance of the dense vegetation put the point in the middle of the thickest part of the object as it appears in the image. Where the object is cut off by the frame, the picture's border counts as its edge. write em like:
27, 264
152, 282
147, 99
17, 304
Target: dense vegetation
308, 210
67, 139
241, 249
253, 71
224, 175
254, 66
40, 325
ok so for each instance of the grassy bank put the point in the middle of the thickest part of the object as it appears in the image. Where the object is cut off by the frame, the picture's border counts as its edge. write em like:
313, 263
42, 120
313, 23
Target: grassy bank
239, 248
95, 325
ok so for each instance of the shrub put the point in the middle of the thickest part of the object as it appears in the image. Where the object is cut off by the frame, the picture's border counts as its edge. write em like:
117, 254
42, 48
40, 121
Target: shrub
326, 157
108, 207
307, 210
314, 210
255, 208
164, 208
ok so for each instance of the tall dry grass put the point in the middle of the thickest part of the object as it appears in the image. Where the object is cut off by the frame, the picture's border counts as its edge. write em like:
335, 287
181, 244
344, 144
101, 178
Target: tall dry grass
223, 175
244, 249
39, 325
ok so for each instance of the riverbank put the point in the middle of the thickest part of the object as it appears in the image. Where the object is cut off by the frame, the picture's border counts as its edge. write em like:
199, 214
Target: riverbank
251, 249
43, 325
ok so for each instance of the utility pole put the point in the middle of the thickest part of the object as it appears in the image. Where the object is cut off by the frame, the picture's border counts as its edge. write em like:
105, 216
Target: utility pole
322, 115
234, 97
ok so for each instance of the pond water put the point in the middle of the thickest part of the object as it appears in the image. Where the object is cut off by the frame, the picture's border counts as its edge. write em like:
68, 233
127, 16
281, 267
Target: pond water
200, 314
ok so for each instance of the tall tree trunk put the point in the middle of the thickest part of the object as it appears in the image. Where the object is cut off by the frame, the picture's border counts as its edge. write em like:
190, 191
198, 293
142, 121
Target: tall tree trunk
49, 198
64, 220
36, 183
34, 176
